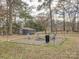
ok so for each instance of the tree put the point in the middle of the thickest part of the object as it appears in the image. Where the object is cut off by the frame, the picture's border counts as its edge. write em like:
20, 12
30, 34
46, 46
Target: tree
35, 25
70, 8
47, 5
62, 7
25, 14
15, 8
43, 20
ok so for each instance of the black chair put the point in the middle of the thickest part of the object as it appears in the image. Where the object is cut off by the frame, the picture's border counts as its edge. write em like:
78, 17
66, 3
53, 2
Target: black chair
47, 37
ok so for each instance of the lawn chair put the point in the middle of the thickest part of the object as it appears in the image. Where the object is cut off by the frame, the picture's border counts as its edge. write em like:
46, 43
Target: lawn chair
47, 37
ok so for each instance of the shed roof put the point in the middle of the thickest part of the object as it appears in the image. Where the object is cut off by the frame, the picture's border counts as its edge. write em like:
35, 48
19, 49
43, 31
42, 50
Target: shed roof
28, 28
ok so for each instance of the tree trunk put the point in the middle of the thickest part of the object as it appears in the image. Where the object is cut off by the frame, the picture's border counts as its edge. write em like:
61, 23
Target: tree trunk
9, 17
64, 22
50, 11
73, 24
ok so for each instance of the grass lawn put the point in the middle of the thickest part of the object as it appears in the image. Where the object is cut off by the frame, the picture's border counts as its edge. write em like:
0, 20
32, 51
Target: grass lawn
66, 50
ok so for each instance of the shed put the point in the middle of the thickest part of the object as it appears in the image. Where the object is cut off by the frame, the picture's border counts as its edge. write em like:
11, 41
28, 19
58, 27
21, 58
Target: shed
25, 31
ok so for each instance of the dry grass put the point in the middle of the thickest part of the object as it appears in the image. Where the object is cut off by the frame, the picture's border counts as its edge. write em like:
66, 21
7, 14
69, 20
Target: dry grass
67, 50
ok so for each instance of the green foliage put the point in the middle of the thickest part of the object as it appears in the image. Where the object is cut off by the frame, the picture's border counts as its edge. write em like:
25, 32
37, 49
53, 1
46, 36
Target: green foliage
16, 27
44, 5
25, 11
35, 25
24, 14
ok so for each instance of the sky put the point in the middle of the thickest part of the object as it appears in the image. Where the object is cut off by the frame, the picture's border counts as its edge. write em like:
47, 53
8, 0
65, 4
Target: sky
35, 3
